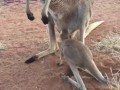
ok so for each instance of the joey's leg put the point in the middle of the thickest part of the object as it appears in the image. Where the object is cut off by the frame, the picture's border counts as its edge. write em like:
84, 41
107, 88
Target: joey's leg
60, 61
71, 81
79, 82
28, 12
77, 77
52, 43
68, 72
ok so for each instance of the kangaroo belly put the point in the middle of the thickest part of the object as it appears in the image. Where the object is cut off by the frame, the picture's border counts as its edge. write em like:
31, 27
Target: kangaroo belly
70, 17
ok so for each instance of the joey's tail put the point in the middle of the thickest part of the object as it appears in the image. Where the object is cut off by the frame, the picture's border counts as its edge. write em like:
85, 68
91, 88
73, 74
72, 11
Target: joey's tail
94, 71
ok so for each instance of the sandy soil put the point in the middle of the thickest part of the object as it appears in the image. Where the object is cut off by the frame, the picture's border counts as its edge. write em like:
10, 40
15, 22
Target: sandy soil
23, 38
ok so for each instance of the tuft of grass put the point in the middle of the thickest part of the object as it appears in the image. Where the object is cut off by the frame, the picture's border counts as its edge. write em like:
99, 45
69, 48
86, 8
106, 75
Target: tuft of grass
2, 46
109, 45
115, 79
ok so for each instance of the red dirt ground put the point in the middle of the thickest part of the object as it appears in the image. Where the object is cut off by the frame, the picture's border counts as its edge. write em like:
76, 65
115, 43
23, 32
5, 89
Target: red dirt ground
24, 38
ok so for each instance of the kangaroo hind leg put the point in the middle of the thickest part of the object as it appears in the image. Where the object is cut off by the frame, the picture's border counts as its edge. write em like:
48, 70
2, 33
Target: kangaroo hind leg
53, 46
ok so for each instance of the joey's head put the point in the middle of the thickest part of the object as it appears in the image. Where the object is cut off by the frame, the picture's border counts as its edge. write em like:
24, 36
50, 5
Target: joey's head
65, 35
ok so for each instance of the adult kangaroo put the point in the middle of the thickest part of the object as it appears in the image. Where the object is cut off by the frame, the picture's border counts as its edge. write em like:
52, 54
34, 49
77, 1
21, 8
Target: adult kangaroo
66, 15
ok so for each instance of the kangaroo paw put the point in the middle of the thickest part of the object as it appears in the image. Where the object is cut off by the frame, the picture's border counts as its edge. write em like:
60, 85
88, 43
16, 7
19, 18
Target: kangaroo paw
30, 16
32, 59
45, 19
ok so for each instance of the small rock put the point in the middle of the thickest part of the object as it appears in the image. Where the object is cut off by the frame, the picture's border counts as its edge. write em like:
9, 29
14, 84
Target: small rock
116, 48
42, 62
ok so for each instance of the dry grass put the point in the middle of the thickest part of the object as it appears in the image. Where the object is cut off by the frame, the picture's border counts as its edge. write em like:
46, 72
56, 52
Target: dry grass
2, 46
116, 80
109, 45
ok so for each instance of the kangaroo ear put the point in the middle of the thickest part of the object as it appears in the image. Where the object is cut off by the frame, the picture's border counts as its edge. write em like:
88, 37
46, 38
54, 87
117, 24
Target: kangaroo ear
45, 19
